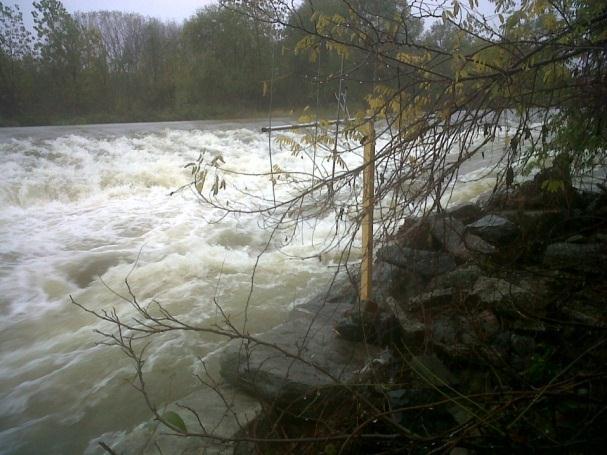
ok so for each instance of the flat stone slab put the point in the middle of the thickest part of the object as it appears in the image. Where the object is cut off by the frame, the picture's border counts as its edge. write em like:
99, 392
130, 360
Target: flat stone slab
301, 356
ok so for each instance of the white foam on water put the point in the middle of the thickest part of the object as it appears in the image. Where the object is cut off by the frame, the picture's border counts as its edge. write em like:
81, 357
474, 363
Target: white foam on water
77, 212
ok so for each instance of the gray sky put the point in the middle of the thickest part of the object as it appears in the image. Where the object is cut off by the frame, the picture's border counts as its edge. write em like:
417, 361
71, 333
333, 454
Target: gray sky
176, 10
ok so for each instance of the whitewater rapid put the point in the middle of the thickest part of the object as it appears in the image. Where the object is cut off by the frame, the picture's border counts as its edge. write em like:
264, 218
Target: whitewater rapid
82, 208
77, 210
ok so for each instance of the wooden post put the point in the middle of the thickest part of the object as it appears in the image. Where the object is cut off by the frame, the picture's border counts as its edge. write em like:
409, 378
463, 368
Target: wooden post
366, 267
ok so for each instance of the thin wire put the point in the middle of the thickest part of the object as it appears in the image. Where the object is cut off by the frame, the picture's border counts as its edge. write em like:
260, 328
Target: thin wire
316, 119
345, 101
316, 125
341, 78
270, 124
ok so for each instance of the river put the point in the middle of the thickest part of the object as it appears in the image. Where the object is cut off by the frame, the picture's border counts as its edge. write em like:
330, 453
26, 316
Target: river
82, 208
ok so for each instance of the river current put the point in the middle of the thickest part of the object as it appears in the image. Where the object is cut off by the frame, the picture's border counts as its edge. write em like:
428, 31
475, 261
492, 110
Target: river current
82, 208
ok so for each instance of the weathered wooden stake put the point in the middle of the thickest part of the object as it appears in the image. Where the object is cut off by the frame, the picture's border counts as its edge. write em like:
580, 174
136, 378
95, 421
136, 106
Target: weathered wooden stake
366, 267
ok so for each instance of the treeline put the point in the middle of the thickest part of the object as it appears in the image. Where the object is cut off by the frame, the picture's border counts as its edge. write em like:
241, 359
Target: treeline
114, 66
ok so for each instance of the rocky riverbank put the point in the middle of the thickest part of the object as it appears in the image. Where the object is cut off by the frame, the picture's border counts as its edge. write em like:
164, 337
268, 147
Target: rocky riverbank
487, 333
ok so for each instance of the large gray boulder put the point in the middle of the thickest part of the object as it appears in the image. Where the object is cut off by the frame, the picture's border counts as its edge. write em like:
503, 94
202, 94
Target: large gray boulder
466, 213
532, 222
391, 280
461, 338
412, 330
422, 262
501, 296
430, 299
300, 357
494, 229
463, 277
451, 234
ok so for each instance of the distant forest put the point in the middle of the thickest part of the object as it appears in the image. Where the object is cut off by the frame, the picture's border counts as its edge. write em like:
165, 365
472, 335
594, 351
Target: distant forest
110, 66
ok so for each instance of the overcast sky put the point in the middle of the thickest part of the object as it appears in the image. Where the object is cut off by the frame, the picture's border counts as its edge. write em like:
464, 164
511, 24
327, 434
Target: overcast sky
176, 10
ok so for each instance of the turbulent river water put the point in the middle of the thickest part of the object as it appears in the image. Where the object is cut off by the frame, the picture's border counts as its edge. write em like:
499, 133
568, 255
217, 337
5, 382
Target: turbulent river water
79, 208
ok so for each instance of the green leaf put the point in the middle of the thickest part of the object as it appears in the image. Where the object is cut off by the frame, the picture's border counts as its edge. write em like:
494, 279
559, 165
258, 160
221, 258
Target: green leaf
553, 185
175, 421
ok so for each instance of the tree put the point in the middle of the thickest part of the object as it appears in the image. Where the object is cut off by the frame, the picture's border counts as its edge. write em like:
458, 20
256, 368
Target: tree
15, 50
458, 80
62, 46
134, 51
227, 58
